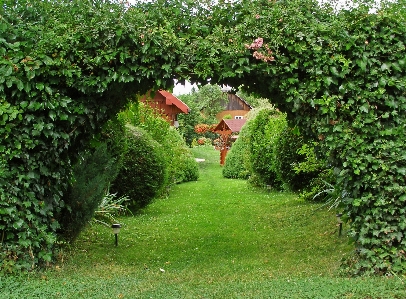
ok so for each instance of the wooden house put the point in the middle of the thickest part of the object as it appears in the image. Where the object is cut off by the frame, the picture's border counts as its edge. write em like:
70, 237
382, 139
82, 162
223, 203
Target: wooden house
167, 104
234, 106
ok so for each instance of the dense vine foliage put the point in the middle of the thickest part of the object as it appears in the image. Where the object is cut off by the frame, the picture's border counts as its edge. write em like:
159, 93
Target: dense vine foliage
344, 82
66, 66
286, 153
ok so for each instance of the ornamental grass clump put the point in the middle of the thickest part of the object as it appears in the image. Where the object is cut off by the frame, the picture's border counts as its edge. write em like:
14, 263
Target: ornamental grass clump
110, 208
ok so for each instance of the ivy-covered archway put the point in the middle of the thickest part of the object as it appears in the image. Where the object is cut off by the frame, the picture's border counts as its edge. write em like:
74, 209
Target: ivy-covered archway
67, 66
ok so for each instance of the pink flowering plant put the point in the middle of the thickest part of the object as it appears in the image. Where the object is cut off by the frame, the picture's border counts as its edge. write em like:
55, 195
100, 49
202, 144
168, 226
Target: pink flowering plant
256, 45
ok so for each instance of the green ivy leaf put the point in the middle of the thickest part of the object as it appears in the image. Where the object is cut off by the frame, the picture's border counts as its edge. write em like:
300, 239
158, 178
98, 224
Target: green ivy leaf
7, 70
40, 86
18, 224
52, 114
20, 85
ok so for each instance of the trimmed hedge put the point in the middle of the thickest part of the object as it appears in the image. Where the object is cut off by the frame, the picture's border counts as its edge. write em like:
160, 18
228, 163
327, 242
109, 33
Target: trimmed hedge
182, 166
264, 130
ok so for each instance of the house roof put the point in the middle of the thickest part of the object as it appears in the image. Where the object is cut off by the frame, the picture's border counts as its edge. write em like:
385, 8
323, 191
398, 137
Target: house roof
244, 101
235, 102
172, 100
233, 125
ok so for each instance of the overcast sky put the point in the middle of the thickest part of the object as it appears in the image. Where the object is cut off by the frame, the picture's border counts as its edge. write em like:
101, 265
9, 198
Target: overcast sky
183, 89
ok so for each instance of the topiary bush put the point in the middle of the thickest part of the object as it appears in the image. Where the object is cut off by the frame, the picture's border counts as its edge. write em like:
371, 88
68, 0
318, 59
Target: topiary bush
235, 166
143, 174
181, 166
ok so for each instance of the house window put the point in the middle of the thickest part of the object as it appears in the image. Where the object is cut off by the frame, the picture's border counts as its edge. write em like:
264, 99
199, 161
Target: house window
238, 117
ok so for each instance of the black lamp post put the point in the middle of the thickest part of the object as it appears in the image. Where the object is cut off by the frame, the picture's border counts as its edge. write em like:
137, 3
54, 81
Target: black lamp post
116, 229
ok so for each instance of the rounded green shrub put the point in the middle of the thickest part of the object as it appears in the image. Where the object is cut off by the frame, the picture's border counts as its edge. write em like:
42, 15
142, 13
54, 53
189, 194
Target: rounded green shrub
181, 166
143, 174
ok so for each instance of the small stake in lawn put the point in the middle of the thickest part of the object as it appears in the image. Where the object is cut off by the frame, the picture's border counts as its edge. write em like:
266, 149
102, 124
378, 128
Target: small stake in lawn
340, 223
116, 229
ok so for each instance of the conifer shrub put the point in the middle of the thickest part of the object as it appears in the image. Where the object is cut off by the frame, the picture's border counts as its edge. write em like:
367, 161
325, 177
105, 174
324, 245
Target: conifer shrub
92, 175
113, 134
143, 174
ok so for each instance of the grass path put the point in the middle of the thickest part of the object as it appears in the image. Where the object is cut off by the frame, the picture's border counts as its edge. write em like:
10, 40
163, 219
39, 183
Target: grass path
214, 238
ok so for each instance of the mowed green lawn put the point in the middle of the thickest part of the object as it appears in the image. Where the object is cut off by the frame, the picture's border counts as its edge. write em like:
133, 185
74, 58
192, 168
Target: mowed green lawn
214, 238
